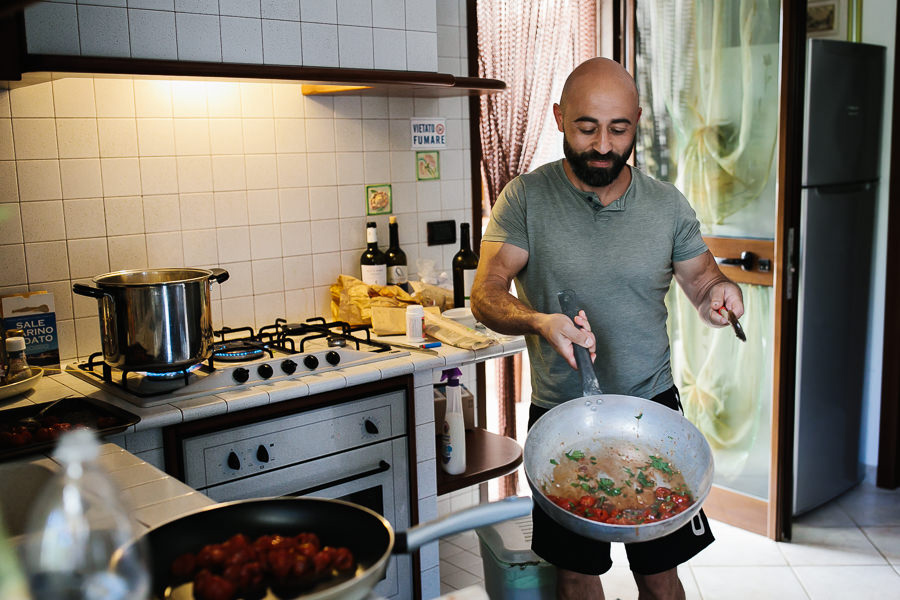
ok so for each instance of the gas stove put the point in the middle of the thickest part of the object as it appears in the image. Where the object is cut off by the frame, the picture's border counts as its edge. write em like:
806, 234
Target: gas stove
243, 357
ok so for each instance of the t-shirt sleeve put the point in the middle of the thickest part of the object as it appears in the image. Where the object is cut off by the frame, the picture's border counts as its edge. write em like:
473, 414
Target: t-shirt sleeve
688, 241
508, 217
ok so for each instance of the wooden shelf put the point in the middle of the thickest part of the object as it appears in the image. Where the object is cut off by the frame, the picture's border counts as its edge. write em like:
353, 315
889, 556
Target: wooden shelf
488, 455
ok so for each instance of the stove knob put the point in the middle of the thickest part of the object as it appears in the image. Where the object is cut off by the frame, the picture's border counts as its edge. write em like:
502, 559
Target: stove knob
371, 427
311, 361
265, 370
233, 461
241, 375
333, 357
262, 455
288, 366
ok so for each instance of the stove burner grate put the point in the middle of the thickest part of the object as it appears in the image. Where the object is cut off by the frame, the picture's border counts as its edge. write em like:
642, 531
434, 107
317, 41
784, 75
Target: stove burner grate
143, 384
238, 351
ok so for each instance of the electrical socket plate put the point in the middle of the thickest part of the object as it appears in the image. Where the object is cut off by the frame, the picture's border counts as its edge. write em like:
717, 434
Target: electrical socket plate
441, 232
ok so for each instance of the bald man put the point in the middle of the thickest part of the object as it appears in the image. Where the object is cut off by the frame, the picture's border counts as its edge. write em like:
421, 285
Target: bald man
594, 224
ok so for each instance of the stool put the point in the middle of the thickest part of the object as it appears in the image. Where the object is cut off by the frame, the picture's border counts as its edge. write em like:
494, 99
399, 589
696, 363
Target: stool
511, 570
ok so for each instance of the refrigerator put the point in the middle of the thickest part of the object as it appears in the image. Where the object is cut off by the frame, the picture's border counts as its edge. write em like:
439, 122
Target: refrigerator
841, 155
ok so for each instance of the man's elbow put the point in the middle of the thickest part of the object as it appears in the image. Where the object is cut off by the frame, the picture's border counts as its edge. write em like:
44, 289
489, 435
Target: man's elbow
476, 302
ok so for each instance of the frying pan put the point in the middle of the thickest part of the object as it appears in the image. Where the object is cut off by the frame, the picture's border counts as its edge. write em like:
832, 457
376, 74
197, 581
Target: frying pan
337, 523
614, 424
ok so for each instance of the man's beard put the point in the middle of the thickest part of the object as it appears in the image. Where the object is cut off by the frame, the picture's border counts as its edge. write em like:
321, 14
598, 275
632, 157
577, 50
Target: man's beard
596, 176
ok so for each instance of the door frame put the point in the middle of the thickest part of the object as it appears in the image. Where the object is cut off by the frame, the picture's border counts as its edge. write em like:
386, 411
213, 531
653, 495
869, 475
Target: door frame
888, 470
772, 517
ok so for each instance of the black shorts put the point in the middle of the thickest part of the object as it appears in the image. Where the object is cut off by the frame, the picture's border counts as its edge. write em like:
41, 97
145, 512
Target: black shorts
567, 550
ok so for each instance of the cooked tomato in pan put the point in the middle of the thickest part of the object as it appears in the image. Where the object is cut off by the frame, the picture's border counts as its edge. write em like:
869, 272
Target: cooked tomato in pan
620, 486
244, 568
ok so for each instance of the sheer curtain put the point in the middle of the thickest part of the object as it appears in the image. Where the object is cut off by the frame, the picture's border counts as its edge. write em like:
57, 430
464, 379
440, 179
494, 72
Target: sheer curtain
530, 45
708, 77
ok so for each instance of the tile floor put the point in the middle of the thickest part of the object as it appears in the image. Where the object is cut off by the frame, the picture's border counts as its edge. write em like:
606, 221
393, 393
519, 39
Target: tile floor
847, 549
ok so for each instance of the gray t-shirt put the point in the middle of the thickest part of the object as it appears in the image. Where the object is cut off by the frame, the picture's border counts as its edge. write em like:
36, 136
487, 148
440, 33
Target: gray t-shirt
618, 260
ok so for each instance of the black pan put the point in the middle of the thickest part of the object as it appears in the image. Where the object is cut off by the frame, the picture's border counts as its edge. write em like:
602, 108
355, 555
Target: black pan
337, 523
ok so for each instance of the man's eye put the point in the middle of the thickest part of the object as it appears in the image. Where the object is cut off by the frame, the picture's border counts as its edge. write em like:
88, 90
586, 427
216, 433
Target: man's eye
587, 131
618, 131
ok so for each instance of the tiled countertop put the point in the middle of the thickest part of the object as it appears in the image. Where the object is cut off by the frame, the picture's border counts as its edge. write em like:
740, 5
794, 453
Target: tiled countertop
153, 496
63, 384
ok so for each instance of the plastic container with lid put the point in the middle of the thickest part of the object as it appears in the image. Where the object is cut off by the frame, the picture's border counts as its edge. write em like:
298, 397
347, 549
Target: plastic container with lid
80, 541
453, 439
511, 570
415, 322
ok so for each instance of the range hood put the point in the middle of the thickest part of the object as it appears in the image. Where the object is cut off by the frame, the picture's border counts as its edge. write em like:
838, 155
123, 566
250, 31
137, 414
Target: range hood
15, 60
316, 80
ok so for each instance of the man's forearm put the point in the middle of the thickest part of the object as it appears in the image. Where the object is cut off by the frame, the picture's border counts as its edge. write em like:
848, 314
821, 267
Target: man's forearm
502, 312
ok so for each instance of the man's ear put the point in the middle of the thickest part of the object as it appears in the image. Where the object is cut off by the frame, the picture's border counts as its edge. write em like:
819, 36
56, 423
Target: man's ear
557, 112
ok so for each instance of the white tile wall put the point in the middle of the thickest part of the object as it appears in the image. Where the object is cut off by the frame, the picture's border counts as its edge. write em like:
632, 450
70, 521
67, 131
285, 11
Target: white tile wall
383, 34
106, 173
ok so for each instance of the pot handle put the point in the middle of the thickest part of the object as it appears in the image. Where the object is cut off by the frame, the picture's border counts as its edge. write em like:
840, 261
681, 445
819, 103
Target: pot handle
86, 290
568, 302
464, 520
220, 276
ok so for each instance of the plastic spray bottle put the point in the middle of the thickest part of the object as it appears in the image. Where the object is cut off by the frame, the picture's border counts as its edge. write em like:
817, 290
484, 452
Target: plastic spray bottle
453, 448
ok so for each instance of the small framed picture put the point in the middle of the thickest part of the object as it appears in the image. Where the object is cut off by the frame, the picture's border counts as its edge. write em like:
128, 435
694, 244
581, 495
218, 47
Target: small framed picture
378, 199
827, 19
428, 165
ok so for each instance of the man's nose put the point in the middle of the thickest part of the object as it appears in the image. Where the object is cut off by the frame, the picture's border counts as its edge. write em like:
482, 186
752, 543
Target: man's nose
602, 142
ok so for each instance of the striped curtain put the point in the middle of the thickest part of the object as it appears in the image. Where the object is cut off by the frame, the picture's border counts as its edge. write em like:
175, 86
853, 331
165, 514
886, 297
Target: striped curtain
528, 44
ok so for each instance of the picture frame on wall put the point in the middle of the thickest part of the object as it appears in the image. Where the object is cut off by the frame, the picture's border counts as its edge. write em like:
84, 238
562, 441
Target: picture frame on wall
428, 165
829, 19
379, 199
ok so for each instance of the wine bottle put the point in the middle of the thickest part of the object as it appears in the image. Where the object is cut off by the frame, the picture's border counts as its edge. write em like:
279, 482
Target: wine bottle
464, 264
395, 258
372, 263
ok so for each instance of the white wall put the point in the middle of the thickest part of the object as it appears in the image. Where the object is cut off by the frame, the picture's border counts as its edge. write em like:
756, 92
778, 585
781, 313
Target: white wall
879, 22
105, 173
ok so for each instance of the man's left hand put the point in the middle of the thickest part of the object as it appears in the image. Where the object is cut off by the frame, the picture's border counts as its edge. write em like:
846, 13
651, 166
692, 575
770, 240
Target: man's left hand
724, 295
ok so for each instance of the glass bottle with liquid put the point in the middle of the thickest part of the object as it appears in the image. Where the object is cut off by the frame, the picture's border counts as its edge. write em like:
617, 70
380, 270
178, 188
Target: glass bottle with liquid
465, 262
372, 263
395, 258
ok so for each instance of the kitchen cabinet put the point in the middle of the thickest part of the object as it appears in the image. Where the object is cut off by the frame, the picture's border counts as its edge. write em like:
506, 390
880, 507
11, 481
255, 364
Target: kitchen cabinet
490, 455
331, 53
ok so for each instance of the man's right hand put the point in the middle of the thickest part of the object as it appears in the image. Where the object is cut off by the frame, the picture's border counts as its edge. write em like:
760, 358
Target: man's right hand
562, 333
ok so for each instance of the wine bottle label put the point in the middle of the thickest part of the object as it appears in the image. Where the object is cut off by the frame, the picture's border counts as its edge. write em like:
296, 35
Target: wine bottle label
374, 274
371, 235
468, 279
397, 274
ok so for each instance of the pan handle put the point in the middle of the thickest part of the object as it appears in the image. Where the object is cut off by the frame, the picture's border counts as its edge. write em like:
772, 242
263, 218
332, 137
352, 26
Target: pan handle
464, 520
568, 302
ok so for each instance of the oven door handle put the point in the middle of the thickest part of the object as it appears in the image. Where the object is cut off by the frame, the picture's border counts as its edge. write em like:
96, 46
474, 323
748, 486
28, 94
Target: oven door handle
381, 468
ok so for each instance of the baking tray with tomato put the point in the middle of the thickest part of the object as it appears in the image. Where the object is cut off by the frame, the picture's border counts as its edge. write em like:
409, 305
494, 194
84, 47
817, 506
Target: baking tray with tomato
35, 428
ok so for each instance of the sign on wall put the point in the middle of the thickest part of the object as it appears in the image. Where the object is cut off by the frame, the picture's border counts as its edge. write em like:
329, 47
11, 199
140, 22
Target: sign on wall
428, 133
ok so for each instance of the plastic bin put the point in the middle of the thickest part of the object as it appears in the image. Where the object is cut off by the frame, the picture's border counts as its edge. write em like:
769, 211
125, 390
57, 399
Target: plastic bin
511, 570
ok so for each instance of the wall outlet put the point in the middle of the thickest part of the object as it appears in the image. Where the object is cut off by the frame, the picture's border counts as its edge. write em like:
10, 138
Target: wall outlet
441, 232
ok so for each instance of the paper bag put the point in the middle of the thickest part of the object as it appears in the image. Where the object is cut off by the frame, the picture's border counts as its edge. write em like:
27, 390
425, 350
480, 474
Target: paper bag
388, 320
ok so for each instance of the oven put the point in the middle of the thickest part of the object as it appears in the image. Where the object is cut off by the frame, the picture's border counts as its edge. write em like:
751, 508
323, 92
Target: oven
349, 444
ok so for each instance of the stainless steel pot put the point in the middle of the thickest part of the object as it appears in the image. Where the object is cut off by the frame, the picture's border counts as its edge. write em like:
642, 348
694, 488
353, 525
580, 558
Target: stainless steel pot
614, 424
154, 320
